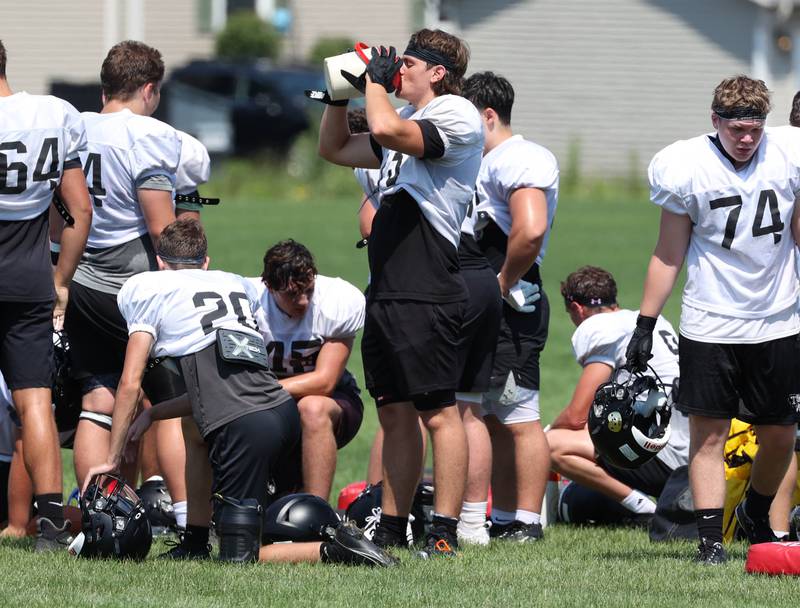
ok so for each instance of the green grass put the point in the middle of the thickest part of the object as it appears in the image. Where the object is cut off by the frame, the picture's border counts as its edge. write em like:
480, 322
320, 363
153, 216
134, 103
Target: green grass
573, 567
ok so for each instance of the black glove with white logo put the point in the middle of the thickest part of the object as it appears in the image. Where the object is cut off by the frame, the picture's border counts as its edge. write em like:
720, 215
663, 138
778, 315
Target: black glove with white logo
323, 97
640, 347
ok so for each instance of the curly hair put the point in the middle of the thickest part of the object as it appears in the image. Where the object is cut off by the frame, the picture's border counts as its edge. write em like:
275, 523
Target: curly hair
590, 286
741, 92
288, 266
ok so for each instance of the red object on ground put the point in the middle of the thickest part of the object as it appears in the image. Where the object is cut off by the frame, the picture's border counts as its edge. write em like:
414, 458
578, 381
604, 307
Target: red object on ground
774, 559
349, 493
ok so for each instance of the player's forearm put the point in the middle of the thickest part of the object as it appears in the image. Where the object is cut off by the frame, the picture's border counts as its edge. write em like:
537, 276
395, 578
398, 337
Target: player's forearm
383, 121
334, 132
126, 401
174, 408
73, 238
312, 383
661, 278
520, 256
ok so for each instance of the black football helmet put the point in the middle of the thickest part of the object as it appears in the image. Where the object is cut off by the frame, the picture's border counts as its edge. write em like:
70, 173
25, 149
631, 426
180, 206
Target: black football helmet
158, 506
629, 419
365, 510
66, 389
298, 518
113, 521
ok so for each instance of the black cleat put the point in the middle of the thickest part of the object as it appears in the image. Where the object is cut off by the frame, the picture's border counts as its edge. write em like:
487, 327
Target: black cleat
51, 538
438, 542
348, 545
385, 539
184, 551
756, 529
520, 532
710, 554
498, 530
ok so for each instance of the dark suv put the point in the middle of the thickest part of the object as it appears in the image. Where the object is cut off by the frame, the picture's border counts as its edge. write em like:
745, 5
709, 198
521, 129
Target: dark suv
240, 107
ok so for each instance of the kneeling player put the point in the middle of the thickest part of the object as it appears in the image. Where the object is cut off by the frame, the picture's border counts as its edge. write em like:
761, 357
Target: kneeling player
602, 334
204, 320
309, 323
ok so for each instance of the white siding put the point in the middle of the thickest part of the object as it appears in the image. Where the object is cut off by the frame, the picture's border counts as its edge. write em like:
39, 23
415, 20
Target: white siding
622, 78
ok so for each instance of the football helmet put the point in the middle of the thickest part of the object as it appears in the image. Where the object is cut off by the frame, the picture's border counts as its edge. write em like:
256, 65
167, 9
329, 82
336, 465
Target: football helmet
298, 518
365, 510
113, 521
158, 506
66, 389
629, 418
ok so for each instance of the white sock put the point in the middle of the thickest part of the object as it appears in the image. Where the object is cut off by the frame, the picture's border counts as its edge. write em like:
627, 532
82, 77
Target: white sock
473, 513
154, 478
180, 513
502, 517
638, 503
527, 517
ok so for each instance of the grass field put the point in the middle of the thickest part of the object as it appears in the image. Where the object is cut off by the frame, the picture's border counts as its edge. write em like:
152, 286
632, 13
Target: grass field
573, 567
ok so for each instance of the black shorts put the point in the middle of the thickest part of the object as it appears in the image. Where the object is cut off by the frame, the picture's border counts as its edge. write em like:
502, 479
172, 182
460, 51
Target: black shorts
479, 330
757, 383
522, 338
26, 344
348, 396
410, 348
98, 334
649, 478
246, 452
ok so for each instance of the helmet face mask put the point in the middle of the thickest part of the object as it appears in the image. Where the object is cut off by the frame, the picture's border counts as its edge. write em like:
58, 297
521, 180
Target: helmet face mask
629, 418
113, 521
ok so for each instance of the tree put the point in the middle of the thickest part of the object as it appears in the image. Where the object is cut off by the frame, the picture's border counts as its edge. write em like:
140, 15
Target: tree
247, 36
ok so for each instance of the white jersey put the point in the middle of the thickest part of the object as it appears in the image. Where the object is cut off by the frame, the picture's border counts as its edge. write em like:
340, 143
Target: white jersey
194, 167
38, 134
443, 187
369, 180
124, 150
604, 337
516, 163
741, 257
335, 312
182, 309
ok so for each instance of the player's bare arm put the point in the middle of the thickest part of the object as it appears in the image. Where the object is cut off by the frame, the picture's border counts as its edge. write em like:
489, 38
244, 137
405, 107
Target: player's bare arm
157, 209
665, 265
174, 408
339, 146
576, 413
388, 129
126, 401
528, 207
331, 361
74, 194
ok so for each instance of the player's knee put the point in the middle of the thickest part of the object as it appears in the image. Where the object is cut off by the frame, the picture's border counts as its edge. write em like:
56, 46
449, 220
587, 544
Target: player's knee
317, 412
238, 523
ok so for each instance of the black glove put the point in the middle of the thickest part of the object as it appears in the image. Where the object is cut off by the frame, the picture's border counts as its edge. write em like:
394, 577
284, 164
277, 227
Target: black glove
359, 83
641, 344
322, 96
382, 70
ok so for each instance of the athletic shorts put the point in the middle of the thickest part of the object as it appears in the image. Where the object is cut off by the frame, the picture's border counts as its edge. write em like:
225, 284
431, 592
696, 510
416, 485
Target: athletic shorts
245, 453
479, 331
513, 394
26, 344
348, 396
757, 383
98, 335
410, 351
649, 478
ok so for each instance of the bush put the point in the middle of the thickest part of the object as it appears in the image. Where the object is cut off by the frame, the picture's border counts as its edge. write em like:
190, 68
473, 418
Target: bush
247, 36
328, 47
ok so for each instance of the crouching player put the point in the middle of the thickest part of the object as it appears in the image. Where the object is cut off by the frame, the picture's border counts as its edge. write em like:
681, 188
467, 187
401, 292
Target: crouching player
204, 319
602, 334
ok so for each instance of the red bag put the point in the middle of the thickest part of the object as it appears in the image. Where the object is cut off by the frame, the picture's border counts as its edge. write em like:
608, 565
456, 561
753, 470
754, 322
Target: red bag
774, 559
349, 493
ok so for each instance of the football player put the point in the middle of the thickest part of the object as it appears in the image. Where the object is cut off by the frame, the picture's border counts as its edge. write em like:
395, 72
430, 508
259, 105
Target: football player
728, 204
599, 342
429, 155
204, 321
309, 323
130, 165
517, 192
41, 138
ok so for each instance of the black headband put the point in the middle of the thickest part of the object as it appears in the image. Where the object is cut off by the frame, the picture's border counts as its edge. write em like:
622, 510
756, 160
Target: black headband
170, 259
591, 302
429, 56
740, 113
